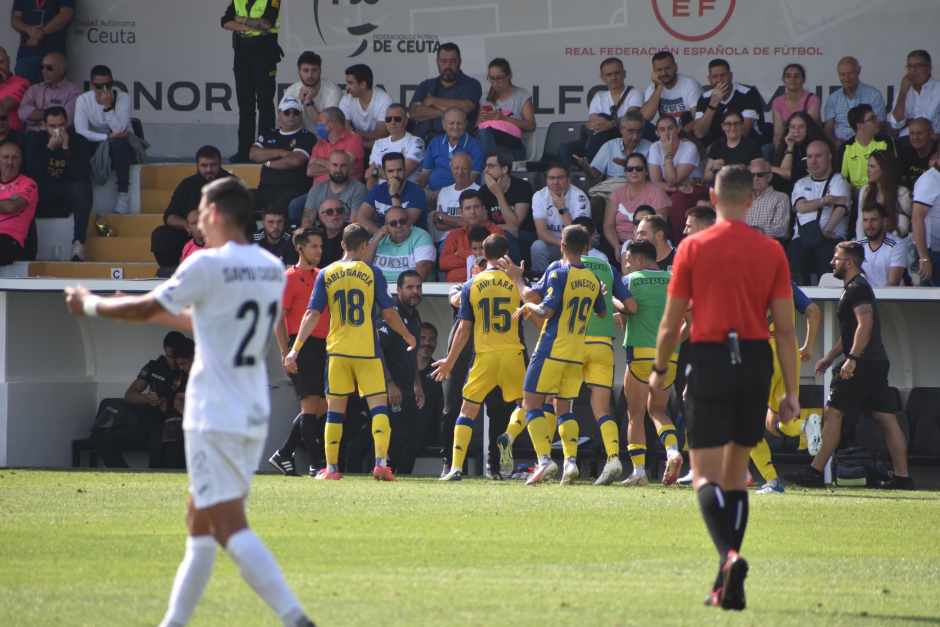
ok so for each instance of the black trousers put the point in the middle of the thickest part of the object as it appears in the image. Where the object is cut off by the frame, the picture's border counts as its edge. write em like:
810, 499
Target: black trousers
166, 244
255, 85
408, 429
146, 434
806, 261
59, 199
10, 250
122, 157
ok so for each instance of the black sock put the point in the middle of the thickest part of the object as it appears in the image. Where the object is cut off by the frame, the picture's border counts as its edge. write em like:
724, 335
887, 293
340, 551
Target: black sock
714, 506
293, 439
738, 509
311, 429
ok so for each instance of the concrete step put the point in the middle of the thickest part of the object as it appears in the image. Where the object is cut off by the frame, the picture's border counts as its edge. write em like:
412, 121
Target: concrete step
155, 201
132, 225
118, 249
92, 270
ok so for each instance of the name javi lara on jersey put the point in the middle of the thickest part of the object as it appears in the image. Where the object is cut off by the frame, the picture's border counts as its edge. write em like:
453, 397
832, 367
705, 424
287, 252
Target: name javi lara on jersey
247, 273
352, 273
483, 284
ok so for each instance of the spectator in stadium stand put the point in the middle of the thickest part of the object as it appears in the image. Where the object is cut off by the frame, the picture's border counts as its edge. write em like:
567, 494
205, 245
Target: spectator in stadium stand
405, 393
726, 95
821, 202
698, 219
886, 258
19, 196
506, 113
330, 217
168, 240
605, 170
770, 210
670, 94
457, 249
339, 185
852, 93
554, 207
675, 166
53, 91
621, 207
314, 93
448, 215
12, 90
364, 105
103, 117
394, 191
655, 229
273, 239
915, 150
855, 152
435, 169
399, 246
57, 159
508, 200
338, 137
800, 130
283, 152
6, 134
197, 240
883, 189
925, 224
860, 382
42, 26
795, 98
398, 140
918, 96
732, 147
449, 89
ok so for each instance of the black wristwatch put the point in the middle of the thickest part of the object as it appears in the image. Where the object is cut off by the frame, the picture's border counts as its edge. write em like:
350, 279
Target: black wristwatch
562, 210
852, 357
659, 371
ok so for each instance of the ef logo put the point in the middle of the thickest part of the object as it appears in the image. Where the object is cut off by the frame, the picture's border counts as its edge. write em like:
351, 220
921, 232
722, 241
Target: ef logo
693, 20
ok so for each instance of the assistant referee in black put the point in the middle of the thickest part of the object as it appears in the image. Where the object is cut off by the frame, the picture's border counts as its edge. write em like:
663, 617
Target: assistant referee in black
731, 275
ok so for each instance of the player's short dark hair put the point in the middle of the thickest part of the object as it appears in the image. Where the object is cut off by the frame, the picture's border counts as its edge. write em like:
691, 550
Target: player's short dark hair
923, 55
355, 236
186, 349
309, 57
502, 157
719, 63
587, 223
54, 112
272, 210
209, 152
302, 236
233, 200
657, 223
576, 239
705, 215
173, 339
876, 208
663, 54
469, 194
642, 248
478, 233
392, 156
495, 246
734, 185
856, 115
610, 60
361, 73
405, 275
645, 209
448, 47
101, 70
854, 250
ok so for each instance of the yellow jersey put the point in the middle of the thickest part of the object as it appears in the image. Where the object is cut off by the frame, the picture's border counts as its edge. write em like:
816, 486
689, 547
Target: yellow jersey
488, 300
355, 293
572, 293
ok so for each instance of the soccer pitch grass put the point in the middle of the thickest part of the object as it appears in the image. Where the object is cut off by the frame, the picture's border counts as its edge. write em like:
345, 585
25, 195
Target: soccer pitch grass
93, 548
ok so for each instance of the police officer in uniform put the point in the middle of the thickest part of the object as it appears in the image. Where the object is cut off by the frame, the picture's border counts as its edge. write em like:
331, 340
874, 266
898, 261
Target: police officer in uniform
254, 37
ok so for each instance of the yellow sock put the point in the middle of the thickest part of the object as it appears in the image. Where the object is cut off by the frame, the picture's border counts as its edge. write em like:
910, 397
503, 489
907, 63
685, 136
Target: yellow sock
381, 432
516, 424
792, 428
538, 432
332, 436
637, 454
462, 433
667, 435
610, 434
569, 430
760, 455
551, 422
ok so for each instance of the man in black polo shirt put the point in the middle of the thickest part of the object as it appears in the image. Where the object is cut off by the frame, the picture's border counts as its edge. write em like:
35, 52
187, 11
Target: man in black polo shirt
508, 201
654, 229
726, 95
860, 383
916, 150
451, 88
284, 152
273, 239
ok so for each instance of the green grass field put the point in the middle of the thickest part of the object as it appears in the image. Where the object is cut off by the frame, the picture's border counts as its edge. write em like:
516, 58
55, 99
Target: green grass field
85, 548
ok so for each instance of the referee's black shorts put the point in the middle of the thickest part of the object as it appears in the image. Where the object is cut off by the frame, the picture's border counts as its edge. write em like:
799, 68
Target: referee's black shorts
309, 380
727, 403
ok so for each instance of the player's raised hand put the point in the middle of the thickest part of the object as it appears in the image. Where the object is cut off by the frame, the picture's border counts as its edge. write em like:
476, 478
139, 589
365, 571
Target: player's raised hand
290, 362
442, 369
506, 265
75, 299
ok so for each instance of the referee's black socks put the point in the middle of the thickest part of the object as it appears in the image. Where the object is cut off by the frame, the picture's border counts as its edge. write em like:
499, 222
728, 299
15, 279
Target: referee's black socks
738, 510
293, 438
714, 505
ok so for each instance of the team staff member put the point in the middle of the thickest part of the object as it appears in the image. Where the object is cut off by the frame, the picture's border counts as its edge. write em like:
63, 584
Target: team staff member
733, 274
254, 27
308, 381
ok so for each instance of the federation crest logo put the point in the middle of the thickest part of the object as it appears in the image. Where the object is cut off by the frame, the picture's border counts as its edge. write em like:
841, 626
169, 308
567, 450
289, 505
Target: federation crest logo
693, 20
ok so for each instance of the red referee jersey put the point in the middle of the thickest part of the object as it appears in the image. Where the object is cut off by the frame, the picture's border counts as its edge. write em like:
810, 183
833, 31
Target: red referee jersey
297, 298
731, 273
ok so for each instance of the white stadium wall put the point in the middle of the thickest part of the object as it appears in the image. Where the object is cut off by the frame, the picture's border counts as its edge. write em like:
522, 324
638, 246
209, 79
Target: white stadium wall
176, 60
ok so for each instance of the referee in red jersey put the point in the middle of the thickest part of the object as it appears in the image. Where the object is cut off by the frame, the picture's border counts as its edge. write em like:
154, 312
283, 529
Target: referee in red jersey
732, 274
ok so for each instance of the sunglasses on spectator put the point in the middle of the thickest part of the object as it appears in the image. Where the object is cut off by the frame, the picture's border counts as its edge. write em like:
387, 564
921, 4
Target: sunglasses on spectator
102, 86
397, 223
635, 168
393, 118
330, 211
756, 174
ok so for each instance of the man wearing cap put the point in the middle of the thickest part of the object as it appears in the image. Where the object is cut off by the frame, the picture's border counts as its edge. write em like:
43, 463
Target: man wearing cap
284, 152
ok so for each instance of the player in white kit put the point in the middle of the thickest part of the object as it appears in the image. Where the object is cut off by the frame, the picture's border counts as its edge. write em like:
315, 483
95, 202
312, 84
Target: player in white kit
230, 296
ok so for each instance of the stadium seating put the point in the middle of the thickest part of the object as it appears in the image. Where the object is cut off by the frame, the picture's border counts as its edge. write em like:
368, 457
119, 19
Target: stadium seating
559, 133
923, 414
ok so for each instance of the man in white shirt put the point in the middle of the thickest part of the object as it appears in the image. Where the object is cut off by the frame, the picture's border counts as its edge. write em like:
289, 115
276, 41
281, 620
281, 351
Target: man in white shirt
885, 256
448, 215
364, 105
821, 202
103, 114
398, 140
554, 207
919, 95
311, 90
230, 293
925, 223
670, 93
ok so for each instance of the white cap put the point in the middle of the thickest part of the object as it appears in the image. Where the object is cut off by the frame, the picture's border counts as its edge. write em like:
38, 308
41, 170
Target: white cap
289, 102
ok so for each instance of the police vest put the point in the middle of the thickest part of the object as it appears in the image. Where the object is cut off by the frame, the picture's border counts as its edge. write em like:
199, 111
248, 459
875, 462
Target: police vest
256, 12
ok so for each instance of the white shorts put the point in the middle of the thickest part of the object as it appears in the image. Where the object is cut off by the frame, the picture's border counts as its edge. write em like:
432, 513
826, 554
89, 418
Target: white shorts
220, 466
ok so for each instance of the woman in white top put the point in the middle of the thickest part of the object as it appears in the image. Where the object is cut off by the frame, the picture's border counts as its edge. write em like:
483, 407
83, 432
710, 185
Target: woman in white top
883, 189
506, 114
673, 162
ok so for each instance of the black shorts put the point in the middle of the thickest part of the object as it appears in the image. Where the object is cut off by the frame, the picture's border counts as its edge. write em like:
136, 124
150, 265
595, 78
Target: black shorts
867, 390
309, 379
727, 403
